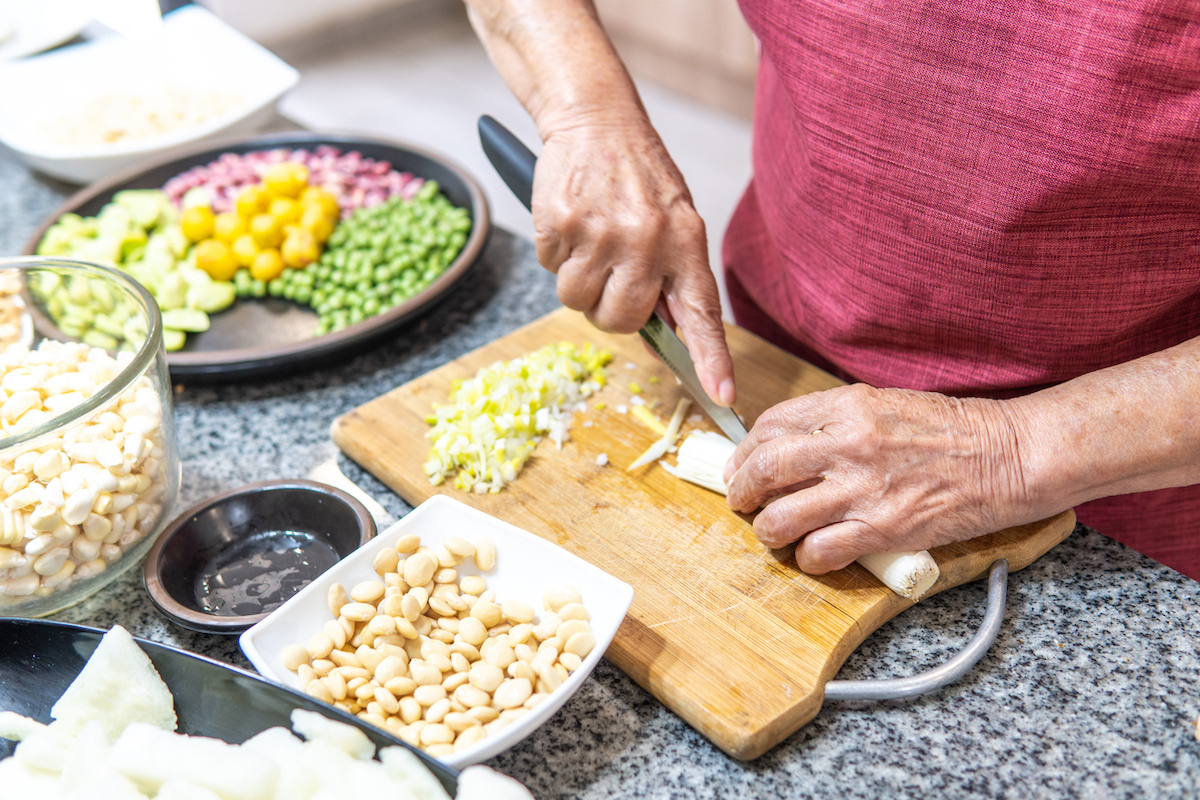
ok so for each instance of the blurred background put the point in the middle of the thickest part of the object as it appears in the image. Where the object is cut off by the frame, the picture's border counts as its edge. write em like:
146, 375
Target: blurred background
413, 69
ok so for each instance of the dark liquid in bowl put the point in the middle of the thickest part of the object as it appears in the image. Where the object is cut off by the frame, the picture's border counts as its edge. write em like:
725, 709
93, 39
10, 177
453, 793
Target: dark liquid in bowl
259, 573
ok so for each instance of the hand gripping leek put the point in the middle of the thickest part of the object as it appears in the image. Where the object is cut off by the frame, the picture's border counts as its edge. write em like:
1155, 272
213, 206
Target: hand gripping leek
701, 460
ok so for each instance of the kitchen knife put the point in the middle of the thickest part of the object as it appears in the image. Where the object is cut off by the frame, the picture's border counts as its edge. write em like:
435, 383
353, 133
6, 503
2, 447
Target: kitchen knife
515, 162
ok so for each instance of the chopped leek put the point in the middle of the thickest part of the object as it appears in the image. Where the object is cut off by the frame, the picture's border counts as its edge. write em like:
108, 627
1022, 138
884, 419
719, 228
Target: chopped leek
658, 448
489, 429
651, 420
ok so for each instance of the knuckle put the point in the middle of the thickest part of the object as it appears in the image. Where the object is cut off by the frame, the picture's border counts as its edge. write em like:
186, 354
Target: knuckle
858, 443
782, 419
576, 288
765, 469
857, 396
635, 225
810, 556
688, 223
612, 319
769, 423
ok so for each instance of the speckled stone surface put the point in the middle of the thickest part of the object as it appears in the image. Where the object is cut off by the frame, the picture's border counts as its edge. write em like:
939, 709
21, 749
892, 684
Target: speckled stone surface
1091, 690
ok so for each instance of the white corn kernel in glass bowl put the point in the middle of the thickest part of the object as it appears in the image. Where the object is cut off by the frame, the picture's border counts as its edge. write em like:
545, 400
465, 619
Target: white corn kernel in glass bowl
89, 467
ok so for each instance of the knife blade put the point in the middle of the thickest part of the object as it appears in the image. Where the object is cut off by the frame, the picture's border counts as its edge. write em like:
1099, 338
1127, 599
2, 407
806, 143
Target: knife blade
515, 163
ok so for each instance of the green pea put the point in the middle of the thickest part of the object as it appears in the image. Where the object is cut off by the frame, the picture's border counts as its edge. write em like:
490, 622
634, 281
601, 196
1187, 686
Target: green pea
242, 281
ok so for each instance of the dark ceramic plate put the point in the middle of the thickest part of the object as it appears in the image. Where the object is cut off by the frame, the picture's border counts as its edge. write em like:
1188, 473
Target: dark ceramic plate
272, 336
39, 659
224, 564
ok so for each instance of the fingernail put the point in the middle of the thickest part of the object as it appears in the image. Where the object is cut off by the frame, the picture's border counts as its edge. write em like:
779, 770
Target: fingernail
728, 473
727, 392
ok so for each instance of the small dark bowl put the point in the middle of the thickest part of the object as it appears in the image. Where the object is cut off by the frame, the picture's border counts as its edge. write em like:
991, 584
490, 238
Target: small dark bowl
226, 563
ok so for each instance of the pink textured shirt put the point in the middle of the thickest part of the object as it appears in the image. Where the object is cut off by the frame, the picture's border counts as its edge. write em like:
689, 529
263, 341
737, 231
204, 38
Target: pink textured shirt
979, 198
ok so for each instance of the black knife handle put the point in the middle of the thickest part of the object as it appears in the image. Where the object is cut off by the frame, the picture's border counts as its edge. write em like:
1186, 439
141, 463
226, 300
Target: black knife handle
512, 159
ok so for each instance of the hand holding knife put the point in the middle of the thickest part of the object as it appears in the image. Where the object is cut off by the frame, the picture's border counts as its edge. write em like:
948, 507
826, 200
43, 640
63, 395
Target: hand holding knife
515, 164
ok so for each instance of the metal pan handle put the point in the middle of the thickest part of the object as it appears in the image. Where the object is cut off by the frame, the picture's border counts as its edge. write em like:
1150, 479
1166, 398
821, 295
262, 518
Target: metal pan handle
952, 670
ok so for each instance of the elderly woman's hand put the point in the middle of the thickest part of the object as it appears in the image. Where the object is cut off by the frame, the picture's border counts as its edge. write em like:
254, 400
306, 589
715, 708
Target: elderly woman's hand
861, 470
615, 222
612, 216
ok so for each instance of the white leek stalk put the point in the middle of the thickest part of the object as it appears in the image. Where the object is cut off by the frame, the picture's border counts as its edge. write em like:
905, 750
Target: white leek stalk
701, 460
659, 448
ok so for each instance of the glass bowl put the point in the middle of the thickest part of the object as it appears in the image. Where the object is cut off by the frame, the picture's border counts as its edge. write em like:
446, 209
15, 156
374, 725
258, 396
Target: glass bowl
89, 467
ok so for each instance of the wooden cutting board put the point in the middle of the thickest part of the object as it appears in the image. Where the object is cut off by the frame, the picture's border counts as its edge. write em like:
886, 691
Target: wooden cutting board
727, 633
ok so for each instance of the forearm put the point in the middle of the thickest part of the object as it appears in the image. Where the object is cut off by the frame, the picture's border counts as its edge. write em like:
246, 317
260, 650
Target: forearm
558, 61
1129, 428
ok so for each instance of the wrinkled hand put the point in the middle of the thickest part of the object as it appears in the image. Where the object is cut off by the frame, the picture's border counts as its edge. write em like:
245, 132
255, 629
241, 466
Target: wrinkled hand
614, 221
863, 470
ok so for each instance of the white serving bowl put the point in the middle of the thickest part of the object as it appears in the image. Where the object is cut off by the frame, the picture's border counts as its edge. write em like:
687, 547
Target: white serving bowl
192, 51
526, 565
37, 26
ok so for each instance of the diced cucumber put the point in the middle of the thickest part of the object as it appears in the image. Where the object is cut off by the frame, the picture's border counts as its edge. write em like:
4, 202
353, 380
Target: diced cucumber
143, 205
186, 319
173, 339
211, 297
172, 291
98, 339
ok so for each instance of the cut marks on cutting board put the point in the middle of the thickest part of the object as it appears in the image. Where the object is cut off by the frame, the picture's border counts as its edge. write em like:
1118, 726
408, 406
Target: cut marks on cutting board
727, 633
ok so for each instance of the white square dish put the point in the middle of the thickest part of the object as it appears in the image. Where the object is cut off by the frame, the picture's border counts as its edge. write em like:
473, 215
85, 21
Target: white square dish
526, 566
192, 54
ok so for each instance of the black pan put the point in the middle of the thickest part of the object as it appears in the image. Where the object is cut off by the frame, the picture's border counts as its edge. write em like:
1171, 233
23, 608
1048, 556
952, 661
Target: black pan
39, 659
264, 338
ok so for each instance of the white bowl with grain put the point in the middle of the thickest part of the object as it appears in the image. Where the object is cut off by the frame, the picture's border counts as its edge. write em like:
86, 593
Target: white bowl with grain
92, 110
526, 566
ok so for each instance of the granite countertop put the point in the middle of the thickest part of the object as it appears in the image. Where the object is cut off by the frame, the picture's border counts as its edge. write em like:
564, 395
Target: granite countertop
1091, 689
